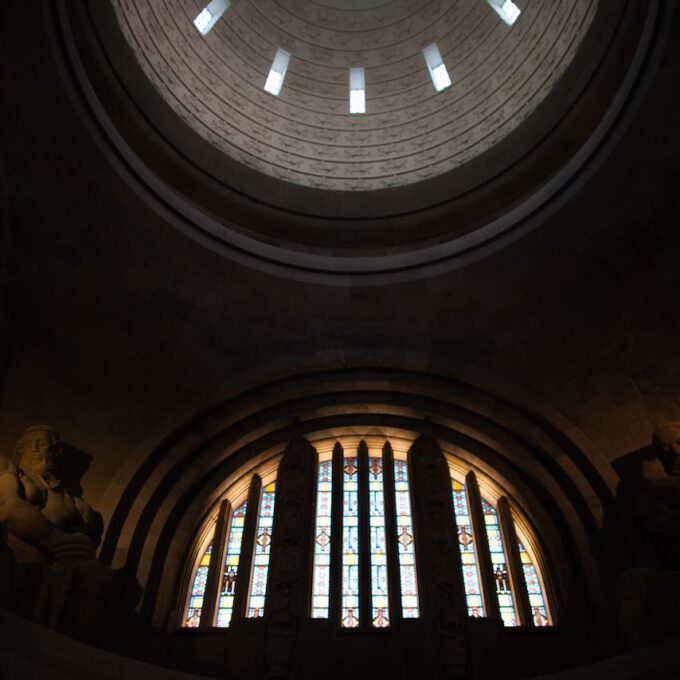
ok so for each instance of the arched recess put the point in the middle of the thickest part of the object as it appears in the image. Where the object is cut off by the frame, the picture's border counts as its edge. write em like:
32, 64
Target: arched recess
559, 480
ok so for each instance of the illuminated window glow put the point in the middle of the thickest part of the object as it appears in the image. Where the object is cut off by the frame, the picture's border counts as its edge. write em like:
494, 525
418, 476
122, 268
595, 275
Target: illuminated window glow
263, 542
357, 91
506, 10
225, 604
210, 15
499, 565
376, 522
322, 542
405, 542
193, 615
435, 64
277, 72
350, 544
539, 612
468, 553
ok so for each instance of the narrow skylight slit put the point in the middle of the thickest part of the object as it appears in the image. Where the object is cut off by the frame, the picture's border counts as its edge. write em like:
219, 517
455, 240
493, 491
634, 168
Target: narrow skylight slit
506, 10
357, 91
437, 68
277, 72
210, 15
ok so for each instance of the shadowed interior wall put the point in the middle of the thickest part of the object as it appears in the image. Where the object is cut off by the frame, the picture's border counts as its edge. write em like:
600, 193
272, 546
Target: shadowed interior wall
124, 330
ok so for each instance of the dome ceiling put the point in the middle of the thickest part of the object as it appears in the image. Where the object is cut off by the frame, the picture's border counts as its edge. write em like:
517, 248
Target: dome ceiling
306, 135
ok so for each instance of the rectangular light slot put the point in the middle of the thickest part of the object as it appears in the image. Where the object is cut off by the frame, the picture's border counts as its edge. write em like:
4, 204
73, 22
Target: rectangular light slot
357, 91
506, 10
210, 15
435, 64
277, 72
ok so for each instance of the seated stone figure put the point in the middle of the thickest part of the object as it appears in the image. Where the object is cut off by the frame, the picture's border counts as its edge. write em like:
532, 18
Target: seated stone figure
53, 536
45, 523
658, 506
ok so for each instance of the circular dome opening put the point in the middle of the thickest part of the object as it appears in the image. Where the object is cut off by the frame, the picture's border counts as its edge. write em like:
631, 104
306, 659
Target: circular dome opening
295, 184
306, 135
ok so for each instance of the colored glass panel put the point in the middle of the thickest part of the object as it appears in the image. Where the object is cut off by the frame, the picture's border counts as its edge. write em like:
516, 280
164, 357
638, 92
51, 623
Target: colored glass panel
405, 542
195, 606
225, 604
322, 542
378, 543
468, 553
499, 566
263, 542
350, 544
539, 612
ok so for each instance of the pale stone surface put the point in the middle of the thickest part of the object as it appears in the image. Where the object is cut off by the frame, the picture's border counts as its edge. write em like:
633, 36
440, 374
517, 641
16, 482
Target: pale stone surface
306, 135
46, 524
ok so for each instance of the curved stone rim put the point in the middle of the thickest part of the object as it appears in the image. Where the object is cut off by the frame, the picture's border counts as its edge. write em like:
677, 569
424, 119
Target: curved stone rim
333, 265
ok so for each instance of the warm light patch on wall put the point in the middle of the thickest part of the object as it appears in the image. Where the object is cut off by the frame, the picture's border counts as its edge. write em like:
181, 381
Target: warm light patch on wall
210, 15
357, 91
435, 64
506, 10
277, 72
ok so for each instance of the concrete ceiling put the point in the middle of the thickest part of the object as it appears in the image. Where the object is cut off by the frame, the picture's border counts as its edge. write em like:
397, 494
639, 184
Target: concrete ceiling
306, 135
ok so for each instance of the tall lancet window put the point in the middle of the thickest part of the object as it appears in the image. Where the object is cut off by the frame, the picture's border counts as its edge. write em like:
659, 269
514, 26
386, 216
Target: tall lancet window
499, 566
321, 581
380, 614
350, 544
197, 595
406, 542
468, 551
263, 541
232, 558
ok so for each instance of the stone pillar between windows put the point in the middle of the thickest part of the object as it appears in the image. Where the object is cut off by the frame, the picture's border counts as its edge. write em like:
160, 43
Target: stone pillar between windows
442, 596
488, 581
394, 582
290, 566
515, 569
335, 591
216, 567
247, 549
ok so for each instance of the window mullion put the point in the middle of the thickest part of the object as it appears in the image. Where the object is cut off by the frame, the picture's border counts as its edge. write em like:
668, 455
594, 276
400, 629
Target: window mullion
247, 549
365, 607
394, 582
215, 567
514, 562
336, 535
482, 542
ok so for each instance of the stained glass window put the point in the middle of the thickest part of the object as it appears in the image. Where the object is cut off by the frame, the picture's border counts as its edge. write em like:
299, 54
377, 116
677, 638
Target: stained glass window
263, 542
405, 542
539, 612
468, 552
193, 616
225, 604
376, 522
322, 542
350, 544
499, 565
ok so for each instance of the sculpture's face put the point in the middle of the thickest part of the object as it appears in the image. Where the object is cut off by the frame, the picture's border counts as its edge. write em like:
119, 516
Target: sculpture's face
37, 453
669, 440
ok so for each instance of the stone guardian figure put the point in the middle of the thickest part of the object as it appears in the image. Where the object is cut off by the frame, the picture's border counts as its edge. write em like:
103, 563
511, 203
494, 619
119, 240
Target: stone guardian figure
45, 523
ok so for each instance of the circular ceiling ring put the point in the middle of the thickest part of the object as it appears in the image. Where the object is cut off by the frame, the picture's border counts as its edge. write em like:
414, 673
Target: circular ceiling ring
371, 237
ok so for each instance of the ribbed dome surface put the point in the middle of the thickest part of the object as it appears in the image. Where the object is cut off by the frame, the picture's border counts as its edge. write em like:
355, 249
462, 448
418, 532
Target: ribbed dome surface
307, 136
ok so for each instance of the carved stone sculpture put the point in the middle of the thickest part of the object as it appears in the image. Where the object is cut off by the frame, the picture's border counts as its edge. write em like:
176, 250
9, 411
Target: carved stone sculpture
658, 506
52, 535
46, 524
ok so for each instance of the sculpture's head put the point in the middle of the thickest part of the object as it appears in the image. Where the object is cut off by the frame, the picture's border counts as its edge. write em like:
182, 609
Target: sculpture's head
667, 442
37, 449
